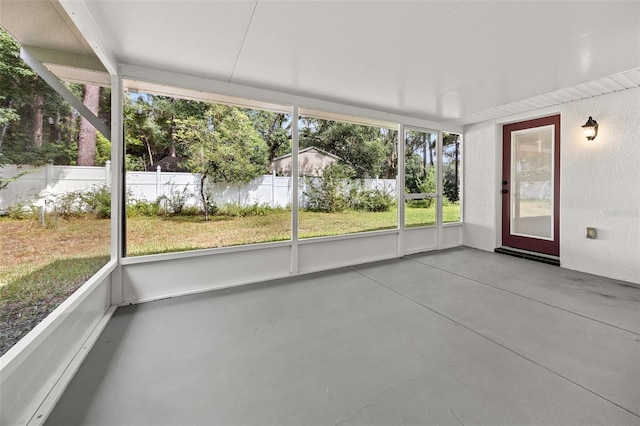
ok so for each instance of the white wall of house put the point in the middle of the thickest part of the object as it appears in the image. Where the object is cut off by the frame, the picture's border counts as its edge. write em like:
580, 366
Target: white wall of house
599, 184
311, 162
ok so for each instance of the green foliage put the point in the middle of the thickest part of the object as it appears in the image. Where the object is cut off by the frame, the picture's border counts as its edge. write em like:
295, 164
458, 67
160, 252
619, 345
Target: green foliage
70, 204
237, 210
27, 105
222, 147
451, 191
274, 128
329, 193
133, 163
139, 208
427, 183
23, 209
371, 200
103, 150
370, 151
98, 201
176, 201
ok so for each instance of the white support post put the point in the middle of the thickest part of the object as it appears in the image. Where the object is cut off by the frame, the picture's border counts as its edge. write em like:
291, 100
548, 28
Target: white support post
49, 175
294, 189
273, 188
107, 173
400, 189
439, 191
117, 178
158, 178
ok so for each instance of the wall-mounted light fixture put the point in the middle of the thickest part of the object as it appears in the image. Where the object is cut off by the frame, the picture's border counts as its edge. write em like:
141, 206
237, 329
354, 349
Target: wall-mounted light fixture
590, 129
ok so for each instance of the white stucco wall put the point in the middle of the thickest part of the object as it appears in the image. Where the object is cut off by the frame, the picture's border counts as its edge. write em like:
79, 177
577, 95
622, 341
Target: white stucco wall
600, 184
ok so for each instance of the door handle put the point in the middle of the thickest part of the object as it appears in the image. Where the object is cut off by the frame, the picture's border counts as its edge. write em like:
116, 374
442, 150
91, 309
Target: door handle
505, 191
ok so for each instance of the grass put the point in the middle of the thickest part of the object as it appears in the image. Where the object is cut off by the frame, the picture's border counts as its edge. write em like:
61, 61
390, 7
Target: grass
42, 266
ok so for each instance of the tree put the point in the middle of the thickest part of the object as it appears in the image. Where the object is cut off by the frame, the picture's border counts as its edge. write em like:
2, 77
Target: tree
87, 137
13, 74
451, 165
36, 125
275, 130
369, 150
222, 147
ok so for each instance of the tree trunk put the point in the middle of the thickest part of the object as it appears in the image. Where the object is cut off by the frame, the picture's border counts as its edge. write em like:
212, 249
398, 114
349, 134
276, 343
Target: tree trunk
37, 120
56, 130
172, 152
3, 129
203, 196
87, 139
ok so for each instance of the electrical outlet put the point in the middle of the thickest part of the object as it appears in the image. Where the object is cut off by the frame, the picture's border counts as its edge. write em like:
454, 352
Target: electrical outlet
592, 233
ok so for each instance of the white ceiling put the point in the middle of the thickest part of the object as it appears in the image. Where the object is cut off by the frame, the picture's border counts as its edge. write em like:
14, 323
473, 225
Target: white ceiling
455, 62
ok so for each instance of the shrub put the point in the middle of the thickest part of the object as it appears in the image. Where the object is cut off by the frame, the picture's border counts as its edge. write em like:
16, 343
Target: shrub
23, 209
371, 200
137, 208
176, 201
98, 201
451, 191
329, 192
70, 204
420, 204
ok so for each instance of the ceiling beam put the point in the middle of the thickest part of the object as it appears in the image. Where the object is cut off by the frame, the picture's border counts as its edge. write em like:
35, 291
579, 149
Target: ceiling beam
83, 19
30, 56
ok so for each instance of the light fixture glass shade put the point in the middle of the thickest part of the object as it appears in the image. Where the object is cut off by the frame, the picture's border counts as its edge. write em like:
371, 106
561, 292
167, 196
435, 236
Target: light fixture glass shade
590, 129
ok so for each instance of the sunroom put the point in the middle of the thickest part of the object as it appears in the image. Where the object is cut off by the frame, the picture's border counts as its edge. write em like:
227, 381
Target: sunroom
481, 127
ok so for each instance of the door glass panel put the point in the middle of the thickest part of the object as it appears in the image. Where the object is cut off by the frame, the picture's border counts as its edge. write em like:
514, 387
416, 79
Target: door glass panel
420, 178
532, 182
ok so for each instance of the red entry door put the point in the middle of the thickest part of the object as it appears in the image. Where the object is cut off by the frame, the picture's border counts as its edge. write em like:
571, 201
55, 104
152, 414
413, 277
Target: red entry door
531, 185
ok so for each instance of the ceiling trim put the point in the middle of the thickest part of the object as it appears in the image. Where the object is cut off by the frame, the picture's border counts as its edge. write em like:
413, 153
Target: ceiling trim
251, 94
602, 86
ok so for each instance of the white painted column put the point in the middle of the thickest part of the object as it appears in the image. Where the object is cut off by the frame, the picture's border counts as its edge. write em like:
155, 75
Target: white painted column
400, 189
439, 190
117, 171
107, 173
158, 178
295, 142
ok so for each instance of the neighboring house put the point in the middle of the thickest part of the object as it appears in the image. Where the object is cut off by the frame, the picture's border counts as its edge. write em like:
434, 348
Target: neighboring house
311, 162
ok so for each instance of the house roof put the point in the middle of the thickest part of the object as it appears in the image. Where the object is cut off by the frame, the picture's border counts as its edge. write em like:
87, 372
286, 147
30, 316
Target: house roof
311, 148
449, 62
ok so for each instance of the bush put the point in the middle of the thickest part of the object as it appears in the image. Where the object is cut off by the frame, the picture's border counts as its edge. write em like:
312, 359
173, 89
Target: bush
137, 208
370, 200
98, 201
451, 191
420, 204
329, 192
23, 210
70, 204
176, 201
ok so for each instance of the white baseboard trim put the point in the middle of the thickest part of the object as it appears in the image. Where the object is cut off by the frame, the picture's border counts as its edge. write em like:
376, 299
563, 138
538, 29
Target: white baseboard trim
45, 408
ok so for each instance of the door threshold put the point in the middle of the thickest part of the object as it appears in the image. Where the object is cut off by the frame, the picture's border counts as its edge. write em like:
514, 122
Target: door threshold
529, 255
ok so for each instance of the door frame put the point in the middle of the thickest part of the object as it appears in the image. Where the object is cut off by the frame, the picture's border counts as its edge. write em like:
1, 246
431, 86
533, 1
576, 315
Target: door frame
540, 246
430, 237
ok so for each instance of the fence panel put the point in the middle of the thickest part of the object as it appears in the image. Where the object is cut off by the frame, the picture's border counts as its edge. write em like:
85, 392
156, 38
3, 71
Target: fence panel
50, 181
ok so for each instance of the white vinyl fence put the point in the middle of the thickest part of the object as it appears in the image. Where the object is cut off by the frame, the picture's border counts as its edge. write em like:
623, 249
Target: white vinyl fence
47, 182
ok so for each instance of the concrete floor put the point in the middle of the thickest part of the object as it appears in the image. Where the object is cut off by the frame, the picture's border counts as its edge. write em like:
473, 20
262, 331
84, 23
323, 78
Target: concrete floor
444, 338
